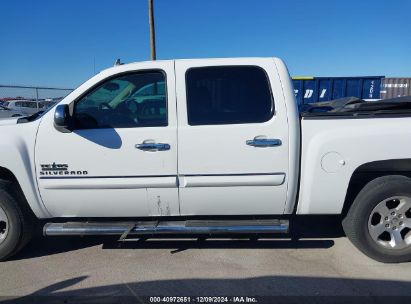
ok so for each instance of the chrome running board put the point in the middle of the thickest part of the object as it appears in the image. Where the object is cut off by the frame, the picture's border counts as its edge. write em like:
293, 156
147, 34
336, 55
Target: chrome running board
167, 227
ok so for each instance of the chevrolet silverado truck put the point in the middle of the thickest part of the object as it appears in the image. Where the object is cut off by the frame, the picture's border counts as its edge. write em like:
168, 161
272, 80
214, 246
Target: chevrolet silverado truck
205, 147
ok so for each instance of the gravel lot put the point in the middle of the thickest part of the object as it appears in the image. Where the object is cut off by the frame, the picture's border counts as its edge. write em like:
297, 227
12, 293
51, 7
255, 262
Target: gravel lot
321, 263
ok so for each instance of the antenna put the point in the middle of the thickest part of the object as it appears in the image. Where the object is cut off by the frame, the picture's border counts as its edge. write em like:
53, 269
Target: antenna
152, 30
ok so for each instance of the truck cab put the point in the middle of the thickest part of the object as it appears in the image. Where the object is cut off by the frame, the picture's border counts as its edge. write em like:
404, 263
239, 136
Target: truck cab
171, 138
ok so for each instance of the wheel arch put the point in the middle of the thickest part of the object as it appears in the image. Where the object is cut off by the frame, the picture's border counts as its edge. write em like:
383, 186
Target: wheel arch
367, 172
7, 177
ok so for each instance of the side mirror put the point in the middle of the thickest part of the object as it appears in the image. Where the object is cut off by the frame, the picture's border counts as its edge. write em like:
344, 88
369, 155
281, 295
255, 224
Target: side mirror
62, 118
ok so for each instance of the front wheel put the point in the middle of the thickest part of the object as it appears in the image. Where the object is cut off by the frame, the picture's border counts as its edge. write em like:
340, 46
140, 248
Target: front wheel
15, 225
379, 220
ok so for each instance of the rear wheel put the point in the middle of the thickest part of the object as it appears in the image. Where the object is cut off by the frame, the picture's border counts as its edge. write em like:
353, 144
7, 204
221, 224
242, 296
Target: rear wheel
379, 220
15, 225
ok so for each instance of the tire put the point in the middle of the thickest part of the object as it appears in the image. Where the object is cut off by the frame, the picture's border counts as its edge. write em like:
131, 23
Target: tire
371, 225
15, 223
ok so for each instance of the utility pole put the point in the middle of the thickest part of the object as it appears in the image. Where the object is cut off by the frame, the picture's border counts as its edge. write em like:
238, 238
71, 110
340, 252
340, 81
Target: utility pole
152, 31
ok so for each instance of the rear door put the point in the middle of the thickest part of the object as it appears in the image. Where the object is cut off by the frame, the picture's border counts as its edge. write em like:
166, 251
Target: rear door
232, 137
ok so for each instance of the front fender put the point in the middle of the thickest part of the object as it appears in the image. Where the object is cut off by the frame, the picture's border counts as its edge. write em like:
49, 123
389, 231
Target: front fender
17, 146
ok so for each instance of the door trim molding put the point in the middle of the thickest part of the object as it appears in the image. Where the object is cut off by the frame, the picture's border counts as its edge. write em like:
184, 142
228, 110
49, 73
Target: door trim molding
108, 176
163, 181
231, 180
110, 183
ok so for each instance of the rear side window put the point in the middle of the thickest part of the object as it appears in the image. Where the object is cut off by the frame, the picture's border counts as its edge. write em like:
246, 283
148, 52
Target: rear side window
228, 95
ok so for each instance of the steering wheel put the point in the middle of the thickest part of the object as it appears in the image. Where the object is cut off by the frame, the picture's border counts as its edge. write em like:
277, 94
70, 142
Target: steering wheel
104, 106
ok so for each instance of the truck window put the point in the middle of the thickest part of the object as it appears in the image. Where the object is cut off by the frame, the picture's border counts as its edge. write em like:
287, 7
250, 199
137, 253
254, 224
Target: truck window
151, 89
228, 95
117, 103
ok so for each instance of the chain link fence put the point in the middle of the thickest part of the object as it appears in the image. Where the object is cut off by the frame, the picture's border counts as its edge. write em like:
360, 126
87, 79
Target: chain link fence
28, 99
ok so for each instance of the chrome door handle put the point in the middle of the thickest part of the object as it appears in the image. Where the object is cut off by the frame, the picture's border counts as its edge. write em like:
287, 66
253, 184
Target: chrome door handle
153, 147
264, 142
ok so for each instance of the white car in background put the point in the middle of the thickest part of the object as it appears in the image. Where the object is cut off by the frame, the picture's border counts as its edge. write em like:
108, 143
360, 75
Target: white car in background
27, 107
48, 103
7, 113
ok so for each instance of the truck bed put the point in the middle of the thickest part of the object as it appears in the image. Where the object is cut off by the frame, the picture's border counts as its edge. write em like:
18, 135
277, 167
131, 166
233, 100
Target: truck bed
353, 107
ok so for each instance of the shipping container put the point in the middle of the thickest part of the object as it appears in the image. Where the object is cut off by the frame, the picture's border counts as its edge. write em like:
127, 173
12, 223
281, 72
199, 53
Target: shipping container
395, 87
317, 89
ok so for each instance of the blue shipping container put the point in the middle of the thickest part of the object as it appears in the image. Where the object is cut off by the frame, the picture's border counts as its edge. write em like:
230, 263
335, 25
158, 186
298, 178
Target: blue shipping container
316, 89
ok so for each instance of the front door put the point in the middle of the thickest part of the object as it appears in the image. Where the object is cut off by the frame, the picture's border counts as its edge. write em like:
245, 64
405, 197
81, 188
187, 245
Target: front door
120, 160
232, 137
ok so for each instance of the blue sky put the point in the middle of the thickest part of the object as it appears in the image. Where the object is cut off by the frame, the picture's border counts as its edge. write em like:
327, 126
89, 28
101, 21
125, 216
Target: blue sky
55, 43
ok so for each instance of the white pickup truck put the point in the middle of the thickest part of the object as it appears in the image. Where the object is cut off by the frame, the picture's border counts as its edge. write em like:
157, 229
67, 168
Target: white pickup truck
205, 146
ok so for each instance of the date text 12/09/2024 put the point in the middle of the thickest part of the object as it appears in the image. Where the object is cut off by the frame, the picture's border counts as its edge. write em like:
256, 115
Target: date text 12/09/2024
204, 299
